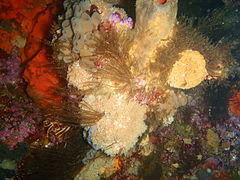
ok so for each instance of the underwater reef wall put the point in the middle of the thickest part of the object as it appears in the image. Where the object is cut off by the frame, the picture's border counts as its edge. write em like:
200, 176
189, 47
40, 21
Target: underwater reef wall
124, 97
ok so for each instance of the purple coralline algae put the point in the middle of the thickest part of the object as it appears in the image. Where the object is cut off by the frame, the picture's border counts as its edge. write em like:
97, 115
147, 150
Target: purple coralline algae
10, 69
229, 133
18, 115
18, 123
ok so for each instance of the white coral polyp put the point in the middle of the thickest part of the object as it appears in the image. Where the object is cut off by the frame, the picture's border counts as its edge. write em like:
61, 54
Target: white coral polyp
121, 126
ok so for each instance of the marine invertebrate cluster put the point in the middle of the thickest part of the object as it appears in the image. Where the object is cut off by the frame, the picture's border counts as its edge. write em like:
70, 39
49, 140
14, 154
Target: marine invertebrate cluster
101, 17
81, 22
122, 116
125, 71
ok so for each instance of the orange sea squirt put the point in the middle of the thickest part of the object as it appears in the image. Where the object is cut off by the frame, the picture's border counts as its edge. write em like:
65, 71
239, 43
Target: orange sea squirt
42, 79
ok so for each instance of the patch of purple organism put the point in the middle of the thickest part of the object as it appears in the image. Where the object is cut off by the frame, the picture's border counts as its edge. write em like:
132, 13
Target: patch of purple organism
116, 18
10, 71
18, 122
18, 115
